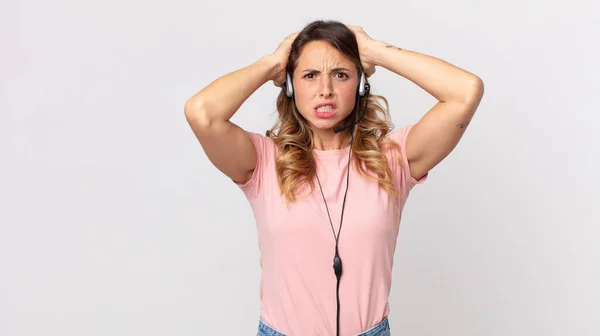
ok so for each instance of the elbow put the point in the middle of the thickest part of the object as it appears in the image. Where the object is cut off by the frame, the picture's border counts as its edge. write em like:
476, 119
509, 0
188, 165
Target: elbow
476, 89
193, 108
474, 96
472, 92
196, 114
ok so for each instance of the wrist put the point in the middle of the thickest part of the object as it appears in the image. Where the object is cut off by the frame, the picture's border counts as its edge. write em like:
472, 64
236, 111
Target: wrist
270, 66
375, 52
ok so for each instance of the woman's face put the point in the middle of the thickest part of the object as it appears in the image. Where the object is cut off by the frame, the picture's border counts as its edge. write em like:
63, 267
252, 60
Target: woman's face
325, 83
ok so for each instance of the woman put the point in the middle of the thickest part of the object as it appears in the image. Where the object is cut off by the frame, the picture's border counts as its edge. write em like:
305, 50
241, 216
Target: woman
310, 171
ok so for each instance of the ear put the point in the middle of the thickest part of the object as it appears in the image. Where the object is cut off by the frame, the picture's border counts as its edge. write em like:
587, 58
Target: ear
289, 87
362, 84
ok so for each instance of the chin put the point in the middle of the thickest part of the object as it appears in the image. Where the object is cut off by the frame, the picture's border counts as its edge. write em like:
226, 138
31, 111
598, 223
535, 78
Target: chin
328, 124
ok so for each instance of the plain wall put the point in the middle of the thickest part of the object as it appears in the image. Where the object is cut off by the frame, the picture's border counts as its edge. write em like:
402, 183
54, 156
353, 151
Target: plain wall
114, 222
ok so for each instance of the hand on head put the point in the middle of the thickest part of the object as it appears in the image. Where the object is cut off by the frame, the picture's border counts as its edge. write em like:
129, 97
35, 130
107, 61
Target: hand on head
281, 56
282, 53
364, 42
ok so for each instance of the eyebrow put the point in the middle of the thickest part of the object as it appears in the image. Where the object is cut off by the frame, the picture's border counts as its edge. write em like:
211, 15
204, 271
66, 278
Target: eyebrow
337, 69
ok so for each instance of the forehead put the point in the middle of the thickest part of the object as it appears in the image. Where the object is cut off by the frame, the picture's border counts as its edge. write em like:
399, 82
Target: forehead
321, 55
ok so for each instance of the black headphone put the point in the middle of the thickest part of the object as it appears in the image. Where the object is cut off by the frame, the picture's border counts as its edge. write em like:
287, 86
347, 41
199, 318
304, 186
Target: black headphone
362, 91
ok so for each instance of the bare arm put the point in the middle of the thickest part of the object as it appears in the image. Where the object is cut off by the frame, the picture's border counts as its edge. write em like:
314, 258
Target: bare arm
459, 93
208, 113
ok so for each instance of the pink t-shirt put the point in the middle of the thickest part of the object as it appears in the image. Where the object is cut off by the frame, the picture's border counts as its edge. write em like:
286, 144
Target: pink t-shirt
298, 285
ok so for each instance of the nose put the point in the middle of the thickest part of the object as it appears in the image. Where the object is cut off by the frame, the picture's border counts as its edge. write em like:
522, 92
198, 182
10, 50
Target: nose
326, 89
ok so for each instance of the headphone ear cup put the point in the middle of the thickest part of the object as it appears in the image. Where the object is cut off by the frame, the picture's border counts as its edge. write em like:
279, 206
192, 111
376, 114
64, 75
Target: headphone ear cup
289, 88
362, 84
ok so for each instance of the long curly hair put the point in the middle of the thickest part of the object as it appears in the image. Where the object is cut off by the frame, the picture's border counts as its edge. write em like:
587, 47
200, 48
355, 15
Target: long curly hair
293, 136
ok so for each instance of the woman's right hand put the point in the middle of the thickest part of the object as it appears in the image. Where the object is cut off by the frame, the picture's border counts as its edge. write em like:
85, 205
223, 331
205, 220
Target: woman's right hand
280, 56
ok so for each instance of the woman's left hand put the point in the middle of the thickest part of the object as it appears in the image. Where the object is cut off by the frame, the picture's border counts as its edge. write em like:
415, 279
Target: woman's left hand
364, 42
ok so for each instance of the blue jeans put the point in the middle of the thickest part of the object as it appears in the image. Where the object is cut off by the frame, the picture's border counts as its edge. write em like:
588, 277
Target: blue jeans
381, 329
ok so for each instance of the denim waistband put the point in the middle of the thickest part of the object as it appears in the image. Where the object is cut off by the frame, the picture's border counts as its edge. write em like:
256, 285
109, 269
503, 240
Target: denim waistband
381, 329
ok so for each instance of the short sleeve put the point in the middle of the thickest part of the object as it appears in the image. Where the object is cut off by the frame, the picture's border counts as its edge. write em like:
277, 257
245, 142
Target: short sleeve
264, 154
400, 136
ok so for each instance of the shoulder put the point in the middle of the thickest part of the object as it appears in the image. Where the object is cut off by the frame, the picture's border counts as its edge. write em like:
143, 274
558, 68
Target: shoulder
261, 140
265, 156
398, 158
400, 135
264, 145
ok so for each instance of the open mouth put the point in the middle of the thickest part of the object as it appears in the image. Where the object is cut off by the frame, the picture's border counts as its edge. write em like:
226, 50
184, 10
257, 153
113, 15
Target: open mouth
325, 111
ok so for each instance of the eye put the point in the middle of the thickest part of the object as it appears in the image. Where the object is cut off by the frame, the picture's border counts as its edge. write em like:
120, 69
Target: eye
309, 76
342, 75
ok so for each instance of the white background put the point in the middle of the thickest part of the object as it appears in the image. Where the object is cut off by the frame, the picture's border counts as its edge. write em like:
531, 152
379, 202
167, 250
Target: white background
113, 221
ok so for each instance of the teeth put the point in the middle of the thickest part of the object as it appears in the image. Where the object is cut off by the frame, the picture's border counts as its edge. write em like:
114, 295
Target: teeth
325, 109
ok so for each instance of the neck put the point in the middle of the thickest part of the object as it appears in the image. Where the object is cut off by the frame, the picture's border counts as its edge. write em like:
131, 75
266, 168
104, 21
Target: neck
329, 140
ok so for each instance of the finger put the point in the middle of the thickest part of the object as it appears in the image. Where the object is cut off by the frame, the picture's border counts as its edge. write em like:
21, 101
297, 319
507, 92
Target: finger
355, 29
279, 81
292, 35
370, 72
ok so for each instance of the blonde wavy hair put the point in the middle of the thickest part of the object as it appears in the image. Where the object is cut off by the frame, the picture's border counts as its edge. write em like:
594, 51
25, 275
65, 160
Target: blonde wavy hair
292, 133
